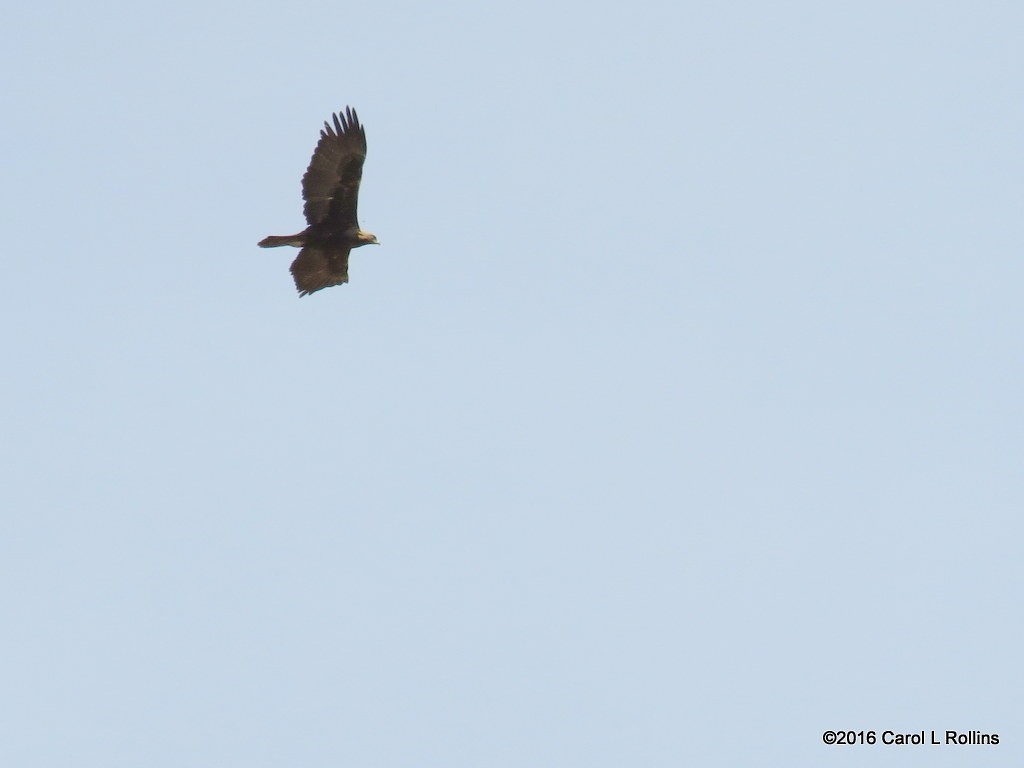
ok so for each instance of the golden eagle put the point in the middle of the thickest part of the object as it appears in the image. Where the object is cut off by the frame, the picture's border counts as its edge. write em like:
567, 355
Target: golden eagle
331, 191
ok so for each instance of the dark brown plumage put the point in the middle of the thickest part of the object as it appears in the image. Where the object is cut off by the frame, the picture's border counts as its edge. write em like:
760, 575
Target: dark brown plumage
331, 191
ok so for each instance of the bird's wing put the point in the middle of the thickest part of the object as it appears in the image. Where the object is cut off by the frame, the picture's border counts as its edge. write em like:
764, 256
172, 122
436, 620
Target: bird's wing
319, 267
331, 184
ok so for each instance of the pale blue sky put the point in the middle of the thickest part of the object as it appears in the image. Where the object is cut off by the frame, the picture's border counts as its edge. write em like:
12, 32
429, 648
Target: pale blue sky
676, 420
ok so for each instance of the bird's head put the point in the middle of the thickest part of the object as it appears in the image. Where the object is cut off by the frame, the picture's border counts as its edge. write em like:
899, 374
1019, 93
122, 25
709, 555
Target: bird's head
367, 238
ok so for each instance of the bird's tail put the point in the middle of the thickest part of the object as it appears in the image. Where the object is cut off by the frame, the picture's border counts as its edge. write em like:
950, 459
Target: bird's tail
275, 241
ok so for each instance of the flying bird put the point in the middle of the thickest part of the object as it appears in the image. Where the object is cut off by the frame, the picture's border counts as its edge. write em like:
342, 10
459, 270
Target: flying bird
330, 188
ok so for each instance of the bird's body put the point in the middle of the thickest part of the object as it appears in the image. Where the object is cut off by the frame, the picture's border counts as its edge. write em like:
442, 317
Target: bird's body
330, 188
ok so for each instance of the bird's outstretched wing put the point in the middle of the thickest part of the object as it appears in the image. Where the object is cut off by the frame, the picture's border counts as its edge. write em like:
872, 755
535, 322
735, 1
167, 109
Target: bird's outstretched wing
330, 186
319, 267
